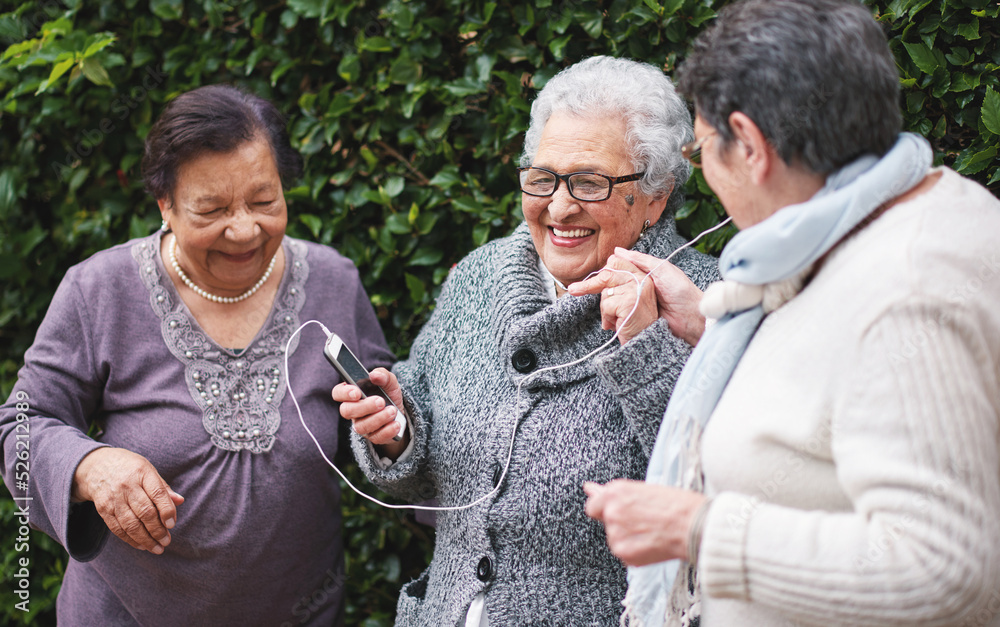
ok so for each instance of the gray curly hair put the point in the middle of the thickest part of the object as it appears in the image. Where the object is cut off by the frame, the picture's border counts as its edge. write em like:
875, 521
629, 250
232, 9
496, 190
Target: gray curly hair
657, 122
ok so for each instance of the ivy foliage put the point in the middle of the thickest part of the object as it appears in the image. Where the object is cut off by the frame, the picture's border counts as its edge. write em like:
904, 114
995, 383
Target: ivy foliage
410, 116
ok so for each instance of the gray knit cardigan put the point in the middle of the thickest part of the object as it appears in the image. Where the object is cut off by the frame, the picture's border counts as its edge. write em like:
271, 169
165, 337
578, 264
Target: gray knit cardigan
530, 547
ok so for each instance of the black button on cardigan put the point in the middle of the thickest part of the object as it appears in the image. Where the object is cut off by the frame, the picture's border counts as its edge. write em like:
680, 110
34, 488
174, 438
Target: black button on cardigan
524, 360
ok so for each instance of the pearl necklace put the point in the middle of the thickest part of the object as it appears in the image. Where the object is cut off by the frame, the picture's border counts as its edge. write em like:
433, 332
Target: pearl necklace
212, 297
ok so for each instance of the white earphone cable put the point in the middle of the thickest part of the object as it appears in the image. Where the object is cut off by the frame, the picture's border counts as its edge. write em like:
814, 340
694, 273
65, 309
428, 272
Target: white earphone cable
517, 396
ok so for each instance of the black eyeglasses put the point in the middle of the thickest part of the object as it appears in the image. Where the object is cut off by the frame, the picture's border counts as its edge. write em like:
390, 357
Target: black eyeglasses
585, 186
692, 150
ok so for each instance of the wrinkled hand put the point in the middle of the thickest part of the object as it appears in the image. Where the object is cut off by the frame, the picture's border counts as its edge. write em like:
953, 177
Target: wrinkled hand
645, 523
619, 286
677, 298
373, 419
135, 502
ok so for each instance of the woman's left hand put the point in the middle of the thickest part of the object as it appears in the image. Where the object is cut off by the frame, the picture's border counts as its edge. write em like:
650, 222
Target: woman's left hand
619, 286
645, 523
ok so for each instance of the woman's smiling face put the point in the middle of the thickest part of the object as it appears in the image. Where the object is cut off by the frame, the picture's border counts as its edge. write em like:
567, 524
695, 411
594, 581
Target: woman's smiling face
574, 237
228, 216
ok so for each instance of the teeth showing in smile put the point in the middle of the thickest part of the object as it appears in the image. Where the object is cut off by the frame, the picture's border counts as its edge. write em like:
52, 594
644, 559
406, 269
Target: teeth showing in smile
573, 233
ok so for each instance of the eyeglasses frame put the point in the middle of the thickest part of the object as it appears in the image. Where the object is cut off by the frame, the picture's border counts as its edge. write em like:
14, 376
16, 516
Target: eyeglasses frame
612, 181
692, 150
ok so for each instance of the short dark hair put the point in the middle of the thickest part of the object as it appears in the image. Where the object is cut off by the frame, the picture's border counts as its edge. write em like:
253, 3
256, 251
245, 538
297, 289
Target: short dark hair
214, 118
816, 76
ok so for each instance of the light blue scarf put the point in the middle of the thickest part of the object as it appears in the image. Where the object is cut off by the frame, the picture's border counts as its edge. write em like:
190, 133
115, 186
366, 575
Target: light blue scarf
783, 246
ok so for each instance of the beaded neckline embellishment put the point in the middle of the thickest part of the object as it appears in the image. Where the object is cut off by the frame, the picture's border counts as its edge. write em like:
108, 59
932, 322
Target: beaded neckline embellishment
239, 395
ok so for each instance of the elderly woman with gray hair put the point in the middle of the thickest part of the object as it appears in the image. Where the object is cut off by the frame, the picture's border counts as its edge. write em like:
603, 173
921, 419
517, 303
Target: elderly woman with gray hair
844, 411
494, 418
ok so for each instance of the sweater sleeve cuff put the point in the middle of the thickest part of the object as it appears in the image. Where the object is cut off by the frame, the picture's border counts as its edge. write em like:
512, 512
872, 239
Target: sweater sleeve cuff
86, 532
383, 471
722, 558
384, 463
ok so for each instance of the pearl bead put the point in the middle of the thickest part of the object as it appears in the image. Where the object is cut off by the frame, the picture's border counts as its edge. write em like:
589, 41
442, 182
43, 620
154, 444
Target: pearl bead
226, 434
212, 297
256, 433
188, 354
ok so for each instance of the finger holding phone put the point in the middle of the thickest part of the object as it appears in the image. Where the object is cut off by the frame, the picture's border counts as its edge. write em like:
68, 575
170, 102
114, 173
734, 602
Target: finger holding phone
371, 401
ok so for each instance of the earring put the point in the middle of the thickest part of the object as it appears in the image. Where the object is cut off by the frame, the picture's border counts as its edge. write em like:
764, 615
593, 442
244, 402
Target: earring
645, 227
165, 227
630, 199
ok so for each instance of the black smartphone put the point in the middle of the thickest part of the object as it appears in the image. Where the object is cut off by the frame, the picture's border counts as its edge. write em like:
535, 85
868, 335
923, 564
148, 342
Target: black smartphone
352, 372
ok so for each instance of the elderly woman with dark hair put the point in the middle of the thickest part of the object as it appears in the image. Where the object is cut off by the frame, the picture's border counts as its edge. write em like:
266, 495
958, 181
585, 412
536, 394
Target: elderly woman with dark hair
159, 371
601, 169
844, 411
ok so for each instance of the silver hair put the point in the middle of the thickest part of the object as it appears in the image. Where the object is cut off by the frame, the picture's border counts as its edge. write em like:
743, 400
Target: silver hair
657, 121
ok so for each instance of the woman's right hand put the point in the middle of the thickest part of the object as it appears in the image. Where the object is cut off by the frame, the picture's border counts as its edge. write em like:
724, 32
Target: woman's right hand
372, 418
136, 503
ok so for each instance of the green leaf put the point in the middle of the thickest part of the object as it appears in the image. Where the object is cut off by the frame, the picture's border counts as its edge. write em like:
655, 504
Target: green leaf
398, 223
374, 44
991, 111
394, 186
447, 177
57, 70
923, 57
969, 30
416, 287
349, 68
99, 45
313, 223
306, 8
481, 233
96, 73
426, 256
167, 9
964, 82
404, 70
974, 162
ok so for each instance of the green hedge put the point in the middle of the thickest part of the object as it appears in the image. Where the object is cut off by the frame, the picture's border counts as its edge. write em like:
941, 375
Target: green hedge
410, 117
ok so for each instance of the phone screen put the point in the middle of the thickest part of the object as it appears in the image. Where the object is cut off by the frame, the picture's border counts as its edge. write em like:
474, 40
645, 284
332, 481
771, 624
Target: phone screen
357, 372
350, 368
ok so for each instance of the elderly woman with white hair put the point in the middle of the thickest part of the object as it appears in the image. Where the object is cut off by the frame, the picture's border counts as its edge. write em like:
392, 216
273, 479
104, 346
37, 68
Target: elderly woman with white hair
493, 418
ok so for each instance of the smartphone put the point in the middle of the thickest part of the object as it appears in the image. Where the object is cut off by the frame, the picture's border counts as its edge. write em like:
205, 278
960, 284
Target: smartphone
352, 372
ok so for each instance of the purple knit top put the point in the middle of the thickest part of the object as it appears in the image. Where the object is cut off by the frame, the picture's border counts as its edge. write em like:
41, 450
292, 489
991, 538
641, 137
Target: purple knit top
119, 356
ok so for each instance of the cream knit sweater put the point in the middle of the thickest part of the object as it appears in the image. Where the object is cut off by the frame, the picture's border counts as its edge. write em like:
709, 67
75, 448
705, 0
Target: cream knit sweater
854, 455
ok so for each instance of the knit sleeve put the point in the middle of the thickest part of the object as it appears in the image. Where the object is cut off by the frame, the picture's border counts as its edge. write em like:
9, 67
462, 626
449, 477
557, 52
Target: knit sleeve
915, 444
642, 374
44, 423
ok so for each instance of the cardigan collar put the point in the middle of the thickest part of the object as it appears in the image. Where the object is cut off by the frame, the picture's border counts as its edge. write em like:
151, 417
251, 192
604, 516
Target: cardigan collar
524, 317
